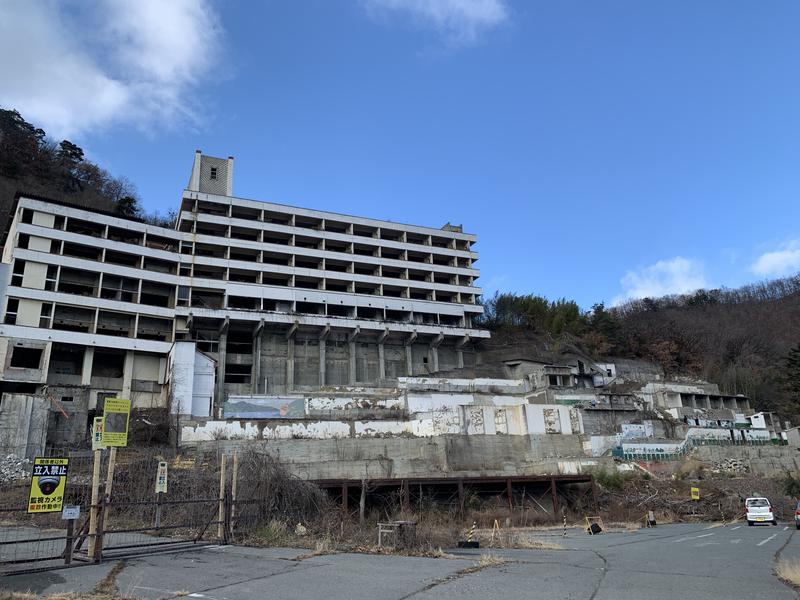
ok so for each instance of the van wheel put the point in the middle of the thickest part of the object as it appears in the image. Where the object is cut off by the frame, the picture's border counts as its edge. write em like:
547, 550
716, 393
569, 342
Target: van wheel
750, 523
797, 525
775, 522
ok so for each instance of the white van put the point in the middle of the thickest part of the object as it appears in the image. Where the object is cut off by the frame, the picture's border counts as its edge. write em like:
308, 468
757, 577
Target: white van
759, 510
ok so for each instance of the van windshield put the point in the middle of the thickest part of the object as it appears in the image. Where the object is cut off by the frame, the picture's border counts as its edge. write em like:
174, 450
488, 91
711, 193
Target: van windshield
758, 502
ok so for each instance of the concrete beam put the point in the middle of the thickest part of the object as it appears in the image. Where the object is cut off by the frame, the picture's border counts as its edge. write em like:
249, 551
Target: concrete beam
223, 328
463, 341
292, 330
353, 334
409, 356
219, 388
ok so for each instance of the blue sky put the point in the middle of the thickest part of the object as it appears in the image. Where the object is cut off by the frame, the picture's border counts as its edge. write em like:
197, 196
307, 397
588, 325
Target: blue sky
599, 149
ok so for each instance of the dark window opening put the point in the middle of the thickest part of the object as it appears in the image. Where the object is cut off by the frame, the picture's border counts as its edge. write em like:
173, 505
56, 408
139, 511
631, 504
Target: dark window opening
26, 358
213, 173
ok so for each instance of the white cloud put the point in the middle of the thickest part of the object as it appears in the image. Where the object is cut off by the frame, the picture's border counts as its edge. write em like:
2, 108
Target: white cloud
113, 62
777, 263
461, 21
677, 275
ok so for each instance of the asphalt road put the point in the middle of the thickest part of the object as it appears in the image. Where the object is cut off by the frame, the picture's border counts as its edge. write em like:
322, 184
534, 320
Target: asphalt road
668, 562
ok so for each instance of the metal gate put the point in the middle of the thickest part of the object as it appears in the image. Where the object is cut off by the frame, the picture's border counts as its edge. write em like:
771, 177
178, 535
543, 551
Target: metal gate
120, 512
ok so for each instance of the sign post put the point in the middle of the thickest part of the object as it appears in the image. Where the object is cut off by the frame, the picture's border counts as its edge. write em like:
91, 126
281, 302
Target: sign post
70, 514
161, 488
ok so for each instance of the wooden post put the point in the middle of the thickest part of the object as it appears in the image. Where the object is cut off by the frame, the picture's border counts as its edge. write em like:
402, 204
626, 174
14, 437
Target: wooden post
555, 497
344, 498
362, 503
234, 486
94, 510
594, 494
70, 537
103, 520
221, 512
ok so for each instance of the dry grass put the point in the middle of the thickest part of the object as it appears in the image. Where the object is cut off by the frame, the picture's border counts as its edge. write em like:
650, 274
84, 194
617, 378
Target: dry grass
323, 546
489, 560
789, 571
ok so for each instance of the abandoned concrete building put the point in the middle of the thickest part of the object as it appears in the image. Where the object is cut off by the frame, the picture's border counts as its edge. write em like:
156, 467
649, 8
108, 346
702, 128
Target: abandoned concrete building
251, 320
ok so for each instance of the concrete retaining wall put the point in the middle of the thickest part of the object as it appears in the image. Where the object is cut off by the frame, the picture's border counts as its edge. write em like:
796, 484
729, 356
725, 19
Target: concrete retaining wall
442, 456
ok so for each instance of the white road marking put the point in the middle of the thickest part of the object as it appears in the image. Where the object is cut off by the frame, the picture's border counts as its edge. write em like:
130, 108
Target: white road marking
693, 537
735, 528
785, 528
736, 541
761, 543
706, 544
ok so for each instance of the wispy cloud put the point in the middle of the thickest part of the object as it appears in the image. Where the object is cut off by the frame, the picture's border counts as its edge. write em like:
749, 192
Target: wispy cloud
71, 68
460, 21
783, 261
677, 275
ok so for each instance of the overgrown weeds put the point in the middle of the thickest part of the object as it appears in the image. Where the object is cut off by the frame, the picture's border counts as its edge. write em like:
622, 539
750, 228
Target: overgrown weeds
789, 571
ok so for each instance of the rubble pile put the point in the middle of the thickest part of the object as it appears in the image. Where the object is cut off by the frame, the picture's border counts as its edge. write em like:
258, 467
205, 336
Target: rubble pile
721, 499
14, 468
730, 465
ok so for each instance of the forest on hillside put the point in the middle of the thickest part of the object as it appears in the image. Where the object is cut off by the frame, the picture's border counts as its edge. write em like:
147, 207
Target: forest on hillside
34, 164
747, 340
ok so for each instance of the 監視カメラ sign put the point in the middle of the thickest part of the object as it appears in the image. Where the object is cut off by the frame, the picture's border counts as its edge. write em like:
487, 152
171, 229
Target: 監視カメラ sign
48, 483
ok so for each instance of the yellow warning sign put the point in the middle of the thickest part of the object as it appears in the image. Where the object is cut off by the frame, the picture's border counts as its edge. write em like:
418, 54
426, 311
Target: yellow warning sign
695, 493
116, 414
48, 483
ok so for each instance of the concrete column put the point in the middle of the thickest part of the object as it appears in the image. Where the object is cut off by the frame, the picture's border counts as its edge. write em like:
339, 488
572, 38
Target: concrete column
86, 369
322, 347
351, 342
290, 364
433, 358
255, 375
382, 355
409, 354
352, 371
219, 395
127, 375
381, 362
460, 356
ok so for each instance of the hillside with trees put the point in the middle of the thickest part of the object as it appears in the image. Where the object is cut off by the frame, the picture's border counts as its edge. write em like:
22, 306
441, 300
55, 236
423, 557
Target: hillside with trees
747, 339
32, 163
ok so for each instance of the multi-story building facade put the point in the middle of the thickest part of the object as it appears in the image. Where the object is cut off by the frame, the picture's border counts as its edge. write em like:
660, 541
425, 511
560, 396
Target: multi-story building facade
244, 296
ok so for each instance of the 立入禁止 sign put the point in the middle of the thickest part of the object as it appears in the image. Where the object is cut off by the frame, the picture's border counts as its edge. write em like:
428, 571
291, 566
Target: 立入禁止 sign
48, 484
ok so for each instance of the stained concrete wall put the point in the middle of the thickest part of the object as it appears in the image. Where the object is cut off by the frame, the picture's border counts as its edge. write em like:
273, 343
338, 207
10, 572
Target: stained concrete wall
445, 456
23, 425
768, 461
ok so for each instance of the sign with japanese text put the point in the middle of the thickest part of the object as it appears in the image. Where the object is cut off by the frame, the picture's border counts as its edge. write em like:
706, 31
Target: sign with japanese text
161, 478
97, 433
695, 493
116, 415
70, 513
48, 483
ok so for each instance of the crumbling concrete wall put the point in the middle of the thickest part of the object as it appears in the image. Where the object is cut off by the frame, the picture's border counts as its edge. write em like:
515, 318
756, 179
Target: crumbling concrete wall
23, 425
444, 456
767, 461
